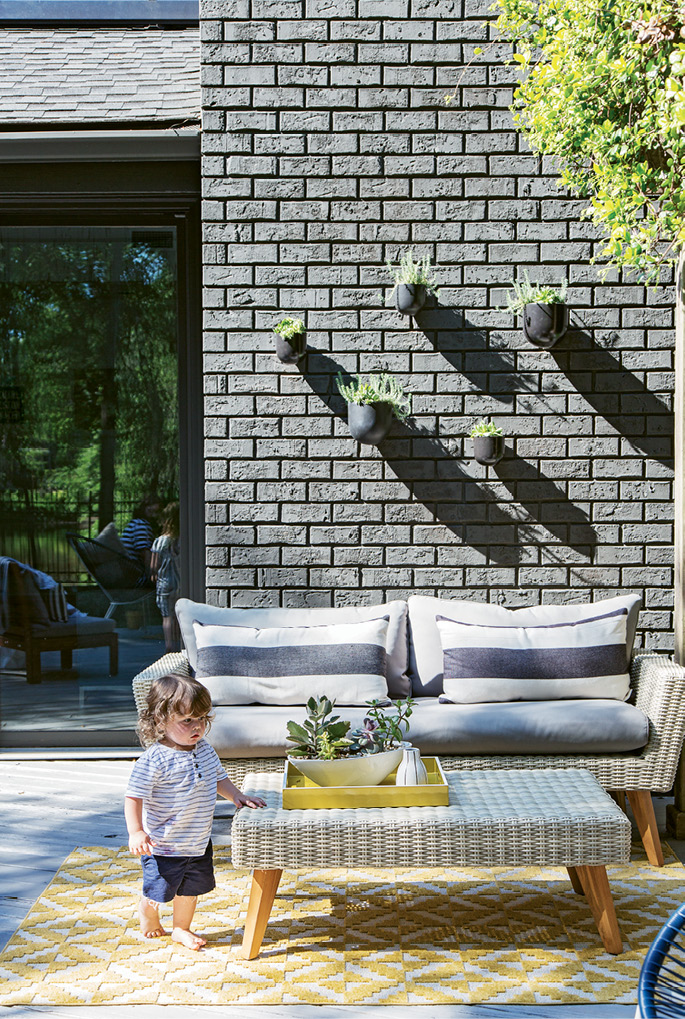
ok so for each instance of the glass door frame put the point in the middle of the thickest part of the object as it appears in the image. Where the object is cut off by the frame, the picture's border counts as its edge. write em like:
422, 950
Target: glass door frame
183, 213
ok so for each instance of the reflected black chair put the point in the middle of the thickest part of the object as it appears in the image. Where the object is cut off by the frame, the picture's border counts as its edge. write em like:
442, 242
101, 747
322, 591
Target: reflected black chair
30, 623
118, 577
661, 990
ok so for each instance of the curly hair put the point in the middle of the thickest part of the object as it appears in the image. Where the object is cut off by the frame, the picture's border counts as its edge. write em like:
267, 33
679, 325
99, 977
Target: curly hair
173, 694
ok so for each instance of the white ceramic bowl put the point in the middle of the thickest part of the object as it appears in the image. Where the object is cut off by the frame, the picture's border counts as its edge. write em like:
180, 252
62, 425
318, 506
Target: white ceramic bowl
369, 769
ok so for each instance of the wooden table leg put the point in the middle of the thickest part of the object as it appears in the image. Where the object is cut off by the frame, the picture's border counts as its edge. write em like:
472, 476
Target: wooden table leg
262, 895
596, 886
575, 880
641, 804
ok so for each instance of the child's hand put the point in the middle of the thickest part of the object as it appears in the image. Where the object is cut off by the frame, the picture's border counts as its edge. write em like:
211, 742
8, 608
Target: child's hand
140, 843
241, 800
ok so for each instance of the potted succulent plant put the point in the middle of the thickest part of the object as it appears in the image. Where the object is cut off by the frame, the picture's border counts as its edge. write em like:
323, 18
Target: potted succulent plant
413, 280
545, 317
329, 752
488, 443
290, 340
371, 406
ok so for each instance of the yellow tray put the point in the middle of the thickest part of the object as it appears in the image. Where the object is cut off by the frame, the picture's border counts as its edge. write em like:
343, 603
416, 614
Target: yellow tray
300, 793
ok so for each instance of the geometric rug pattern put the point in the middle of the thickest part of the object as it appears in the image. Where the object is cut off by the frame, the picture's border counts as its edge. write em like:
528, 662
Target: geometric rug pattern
357, 936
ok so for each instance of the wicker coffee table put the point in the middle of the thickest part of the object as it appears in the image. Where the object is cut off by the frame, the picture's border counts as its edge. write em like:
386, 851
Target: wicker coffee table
499, 818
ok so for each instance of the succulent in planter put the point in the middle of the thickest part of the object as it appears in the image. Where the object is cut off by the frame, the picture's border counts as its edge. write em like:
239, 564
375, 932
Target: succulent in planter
371, 405
488, 442
545, 317
329, 752
413, 280
290, 340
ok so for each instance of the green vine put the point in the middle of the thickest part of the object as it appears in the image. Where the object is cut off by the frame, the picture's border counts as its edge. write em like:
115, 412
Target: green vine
603, 91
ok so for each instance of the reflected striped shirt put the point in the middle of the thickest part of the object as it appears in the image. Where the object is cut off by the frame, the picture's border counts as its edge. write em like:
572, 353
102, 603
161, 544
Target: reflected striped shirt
178, 790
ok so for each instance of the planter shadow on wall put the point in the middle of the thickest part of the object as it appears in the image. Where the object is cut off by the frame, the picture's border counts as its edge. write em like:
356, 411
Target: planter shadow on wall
369, 423
488, 449
544, 324
622, 398
293, 350
460, 502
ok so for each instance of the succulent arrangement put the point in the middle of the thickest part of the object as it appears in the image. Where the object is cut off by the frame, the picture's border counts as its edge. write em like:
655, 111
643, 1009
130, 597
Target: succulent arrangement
380, 388
526, 292
485, 428
326, 737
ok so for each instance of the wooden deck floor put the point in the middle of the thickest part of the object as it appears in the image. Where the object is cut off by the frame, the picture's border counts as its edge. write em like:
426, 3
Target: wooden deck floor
50, 807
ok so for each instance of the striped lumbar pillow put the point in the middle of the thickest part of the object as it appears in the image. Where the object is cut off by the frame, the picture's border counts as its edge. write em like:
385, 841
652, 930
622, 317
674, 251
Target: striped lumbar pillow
586, 658
289, 664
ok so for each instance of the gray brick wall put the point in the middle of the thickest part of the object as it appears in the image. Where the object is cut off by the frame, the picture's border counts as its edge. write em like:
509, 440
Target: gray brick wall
328, 149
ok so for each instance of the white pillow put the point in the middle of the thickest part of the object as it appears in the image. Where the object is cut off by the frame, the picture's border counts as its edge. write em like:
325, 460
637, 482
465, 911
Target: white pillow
188, 612
288, 665
426, 653
586, 658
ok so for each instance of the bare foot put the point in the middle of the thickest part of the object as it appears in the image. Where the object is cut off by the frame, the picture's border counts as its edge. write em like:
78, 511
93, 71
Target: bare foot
187, 938
149, 919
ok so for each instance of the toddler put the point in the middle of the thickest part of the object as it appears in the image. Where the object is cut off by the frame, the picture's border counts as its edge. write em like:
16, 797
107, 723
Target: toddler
170, 803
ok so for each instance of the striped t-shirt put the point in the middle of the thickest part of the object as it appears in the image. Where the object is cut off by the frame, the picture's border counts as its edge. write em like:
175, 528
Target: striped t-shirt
178, 790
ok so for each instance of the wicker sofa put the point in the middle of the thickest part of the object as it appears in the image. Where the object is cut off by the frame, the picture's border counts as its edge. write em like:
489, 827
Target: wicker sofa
638, 761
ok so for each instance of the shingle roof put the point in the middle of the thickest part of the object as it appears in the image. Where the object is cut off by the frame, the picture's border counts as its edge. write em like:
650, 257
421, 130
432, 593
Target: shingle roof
60, 76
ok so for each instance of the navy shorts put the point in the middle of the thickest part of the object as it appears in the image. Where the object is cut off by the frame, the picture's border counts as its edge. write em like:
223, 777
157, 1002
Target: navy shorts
167, 876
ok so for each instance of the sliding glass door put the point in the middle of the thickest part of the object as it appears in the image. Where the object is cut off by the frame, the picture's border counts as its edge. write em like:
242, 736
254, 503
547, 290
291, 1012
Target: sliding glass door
90, 471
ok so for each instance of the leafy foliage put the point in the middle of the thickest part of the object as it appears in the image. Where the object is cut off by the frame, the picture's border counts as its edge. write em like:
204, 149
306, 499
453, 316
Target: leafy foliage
326, 737
416, 272
603, 91
88, 332
381, 388
485, 428
290, 327
526, 292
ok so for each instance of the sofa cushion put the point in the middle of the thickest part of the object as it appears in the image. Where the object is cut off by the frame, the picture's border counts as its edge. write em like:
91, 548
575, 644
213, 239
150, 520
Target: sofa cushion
586, 658
345, 662
396, 648
514, 727
425, 663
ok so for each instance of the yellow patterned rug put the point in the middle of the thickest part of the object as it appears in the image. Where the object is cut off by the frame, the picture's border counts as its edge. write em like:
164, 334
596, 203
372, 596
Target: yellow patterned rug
371, 937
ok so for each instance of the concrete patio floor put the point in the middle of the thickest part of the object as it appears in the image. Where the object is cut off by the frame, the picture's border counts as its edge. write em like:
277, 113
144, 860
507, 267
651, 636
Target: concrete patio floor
51, 806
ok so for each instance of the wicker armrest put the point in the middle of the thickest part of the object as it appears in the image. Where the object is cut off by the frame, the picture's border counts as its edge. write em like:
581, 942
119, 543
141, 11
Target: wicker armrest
177, 661
659, 687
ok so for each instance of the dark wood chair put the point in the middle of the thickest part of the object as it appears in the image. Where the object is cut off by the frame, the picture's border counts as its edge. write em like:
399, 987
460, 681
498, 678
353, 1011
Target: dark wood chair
26, 625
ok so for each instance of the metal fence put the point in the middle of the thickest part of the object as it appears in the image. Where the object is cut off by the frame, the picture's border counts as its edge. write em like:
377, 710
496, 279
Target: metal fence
33, 525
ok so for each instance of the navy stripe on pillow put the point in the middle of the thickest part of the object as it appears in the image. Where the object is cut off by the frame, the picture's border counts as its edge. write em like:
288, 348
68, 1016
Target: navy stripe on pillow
535, 663
312, 660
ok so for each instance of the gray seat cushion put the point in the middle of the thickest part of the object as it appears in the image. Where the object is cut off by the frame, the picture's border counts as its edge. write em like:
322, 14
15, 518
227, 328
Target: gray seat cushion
515, 727
82, 625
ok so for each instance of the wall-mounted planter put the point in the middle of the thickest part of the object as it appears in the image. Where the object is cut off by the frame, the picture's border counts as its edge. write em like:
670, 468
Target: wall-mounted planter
544, 324
369, 422
292, 350
488, 449
410, 298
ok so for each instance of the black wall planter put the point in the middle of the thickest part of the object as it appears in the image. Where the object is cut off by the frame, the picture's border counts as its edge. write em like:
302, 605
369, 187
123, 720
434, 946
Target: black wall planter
544, 324
292, 350
369, 422
488, 449
409, 298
